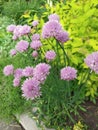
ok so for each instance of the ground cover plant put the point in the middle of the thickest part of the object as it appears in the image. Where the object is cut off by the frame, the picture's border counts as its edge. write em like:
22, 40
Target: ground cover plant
46, 73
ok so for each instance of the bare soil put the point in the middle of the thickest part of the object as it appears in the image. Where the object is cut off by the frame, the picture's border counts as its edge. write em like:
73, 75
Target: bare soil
90, 117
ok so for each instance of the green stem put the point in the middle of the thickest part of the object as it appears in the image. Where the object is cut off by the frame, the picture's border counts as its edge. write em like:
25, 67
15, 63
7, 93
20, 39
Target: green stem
70, 117
66, 58
68, 86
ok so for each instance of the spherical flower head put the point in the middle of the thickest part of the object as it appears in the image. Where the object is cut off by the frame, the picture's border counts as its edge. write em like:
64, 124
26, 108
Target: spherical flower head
31, 89
28, 71
11, 28
68, 73
35, 37
51, 29
62, 36
54, 17
13, 52
17, 31
18, 73
92, 61
36, 44
50, 55
22, 46
25, 30
41, 71
35, 23
34, 54
8, 70
16, 82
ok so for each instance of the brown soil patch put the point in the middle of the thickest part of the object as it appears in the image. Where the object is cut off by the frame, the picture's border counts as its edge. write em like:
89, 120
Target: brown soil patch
90, 117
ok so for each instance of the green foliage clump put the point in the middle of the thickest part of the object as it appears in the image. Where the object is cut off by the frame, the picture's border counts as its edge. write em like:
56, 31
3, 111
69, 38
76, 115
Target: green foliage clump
11, 101
15, 8
5, 38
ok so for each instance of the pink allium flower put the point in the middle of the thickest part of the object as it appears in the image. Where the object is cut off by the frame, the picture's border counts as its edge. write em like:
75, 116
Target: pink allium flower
92, 61
68, 73
35, 54
41, 71
62, 36
8, 70
54, 17
51, 29
17, 31
13, 52
20, 31
22, 46
35, 37
25, 30
11, 28
18, 73
50, 55
16, 82
28, 71
36, 44
35, 23
31, 89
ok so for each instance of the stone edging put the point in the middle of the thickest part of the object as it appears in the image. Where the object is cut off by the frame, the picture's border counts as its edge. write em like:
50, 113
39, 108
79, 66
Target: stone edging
28, 123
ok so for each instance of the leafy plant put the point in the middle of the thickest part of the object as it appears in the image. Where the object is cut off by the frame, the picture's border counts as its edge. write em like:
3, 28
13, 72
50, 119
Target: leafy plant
58, 95
79, 18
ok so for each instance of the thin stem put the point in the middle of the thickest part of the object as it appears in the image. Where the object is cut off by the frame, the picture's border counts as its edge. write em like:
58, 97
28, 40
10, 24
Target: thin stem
66, 58
70, 117
68, 86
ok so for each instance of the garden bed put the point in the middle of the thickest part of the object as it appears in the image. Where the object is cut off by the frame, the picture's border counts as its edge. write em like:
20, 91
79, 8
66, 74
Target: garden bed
90, 118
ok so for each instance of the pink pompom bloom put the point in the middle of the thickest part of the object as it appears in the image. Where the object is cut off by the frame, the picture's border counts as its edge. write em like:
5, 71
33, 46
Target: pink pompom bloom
35, 54
25, 30
35, 36
54, 17
18, 73
36, 44
8, 70
51, 29
17, 31
68, 73
62, 36
16, 82
13, 52
92, 61
41, 71
50, 55
31, 89
28, 71
35, 23
11, 28
22, 46
21, 30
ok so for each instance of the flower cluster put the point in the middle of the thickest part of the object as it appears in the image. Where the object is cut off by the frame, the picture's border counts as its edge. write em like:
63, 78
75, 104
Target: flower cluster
32, 77
54, 17
8, 70
18, 30
68, 73
92, 61
35, 23
54, 29
31, 88
41, 71
50, 55
22, 46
